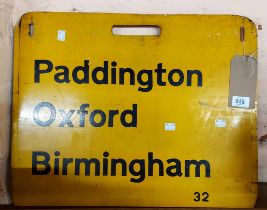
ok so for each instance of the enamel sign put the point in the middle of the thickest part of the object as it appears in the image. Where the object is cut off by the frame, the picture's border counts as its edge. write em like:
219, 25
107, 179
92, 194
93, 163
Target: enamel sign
105, 119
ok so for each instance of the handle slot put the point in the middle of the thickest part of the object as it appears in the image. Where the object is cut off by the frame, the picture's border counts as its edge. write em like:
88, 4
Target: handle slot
137, 30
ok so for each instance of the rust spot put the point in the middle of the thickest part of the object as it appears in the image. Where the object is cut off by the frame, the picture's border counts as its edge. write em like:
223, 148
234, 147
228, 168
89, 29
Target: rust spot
242, 34
263, 139
31, 29
1, 191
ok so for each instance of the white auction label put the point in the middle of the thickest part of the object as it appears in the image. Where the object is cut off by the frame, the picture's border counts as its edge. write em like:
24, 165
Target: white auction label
240, 101
170, 126
220, 123
61, 34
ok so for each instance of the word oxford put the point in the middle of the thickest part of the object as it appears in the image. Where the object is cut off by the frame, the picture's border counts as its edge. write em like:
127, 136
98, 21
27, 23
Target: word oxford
45, 114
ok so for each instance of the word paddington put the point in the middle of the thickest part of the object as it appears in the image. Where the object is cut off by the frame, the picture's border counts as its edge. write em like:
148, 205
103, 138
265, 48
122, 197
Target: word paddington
110, 74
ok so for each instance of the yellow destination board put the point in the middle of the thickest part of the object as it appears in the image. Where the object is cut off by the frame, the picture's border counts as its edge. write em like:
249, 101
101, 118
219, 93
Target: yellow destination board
111, 119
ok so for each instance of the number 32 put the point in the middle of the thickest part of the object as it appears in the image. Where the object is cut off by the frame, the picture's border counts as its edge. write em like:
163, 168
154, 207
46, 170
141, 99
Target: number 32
201, 197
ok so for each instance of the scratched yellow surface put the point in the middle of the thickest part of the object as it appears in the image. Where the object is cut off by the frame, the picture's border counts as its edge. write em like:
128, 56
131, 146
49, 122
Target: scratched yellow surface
203, 42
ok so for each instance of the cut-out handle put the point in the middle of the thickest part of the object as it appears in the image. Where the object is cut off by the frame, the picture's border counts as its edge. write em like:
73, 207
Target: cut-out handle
137, 30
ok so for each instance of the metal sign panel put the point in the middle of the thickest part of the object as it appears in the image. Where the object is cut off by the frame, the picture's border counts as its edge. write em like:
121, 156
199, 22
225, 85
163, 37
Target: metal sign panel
103, 119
